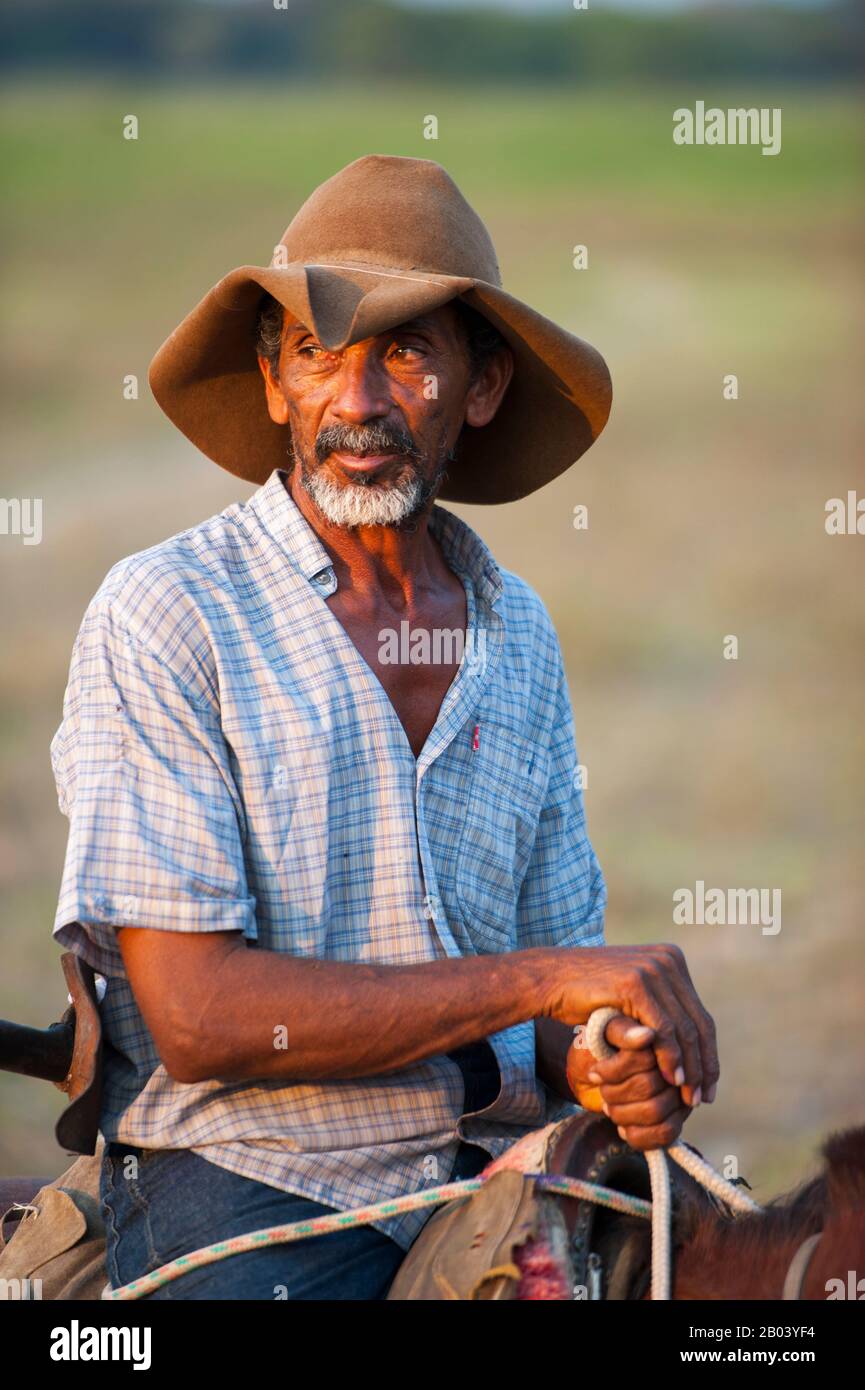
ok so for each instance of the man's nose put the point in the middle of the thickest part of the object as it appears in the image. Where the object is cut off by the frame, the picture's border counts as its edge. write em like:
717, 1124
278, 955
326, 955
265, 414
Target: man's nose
361, 392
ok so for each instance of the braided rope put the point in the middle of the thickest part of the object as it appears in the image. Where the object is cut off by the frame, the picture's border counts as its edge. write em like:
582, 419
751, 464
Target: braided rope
707, 1177
658, 1210
363, 1216
659, 1173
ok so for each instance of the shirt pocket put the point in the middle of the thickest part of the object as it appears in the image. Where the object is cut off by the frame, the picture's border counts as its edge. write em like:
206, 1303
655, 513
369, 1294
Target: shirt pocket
507, 785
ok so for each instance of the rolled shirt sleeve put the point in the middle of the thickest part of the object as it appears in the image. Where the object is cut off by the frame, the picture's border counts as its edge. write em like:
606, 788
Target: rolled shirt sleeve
563, 896
156, 825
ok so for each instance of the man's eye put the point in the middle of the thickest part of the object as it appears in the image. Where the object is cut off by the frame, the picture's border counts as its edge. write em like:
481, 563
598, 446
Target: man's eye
406, 349
316, 355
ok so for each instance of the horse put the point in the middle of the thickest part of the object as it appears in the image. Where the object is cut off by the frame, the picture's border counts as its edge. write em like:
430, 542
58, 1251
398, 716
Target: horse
518, 1238
749, 1257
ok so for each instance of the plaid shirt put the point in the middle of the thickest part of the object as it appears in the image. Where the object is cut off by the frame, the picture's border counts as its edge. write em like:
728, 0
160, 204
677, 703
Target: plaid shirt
228, 760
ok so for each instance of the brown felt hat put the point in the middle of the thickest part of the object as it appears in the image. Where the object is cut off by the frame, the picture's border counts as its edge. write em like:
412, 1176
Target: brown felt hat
380, 242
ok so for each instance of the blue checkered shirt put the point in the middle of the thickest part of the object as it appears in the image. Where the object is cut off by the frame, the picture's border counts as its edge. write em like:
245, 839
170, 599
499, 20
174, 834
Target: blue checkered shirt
228, 760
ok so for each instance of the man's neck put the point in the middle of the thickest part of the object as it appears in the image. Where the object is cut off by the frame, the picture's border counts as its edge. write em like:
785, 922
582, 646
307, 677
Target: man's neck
400, 567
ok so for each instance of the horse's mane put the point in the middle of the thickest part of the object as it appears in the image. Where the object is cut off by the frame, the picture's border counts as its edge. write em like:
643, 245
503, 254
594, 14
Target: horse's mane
747, 1240
844, 1154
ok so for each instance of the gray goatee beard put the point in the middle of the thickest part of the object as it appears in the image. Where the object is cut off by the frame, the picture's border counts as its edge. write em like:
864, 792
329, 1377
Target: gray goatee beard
398, 503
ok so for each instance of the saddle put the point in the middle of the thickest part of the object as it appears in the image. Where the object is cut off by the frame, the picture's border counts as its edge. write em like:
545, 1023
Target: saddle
52, 1246
514, 1240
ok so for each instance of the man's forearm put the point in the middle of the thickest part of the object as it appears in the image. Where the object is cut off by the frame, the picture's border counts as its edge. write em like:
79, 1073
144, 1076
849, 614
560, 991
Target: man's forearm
261, 1014
217, 1009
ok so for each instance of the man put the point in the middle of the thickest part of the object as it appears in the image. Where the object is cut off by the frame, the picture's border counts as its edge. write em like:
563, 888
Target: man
334, 870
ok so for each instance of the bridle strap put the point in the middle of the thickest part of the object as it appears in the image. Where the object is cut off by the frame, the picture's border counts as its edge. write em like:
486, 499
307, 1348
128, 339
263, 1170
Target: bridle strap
798, 1267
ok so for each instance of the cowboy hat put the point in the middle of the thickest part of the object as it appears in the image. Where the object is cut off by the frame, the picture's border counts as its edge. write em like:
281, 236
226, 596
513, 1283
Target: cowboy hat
380, 242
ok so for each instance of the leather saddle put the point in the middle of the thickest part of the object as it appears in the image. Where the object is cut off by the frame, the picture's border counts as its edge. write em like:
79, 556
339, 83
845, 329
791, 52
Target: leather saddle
514, 1240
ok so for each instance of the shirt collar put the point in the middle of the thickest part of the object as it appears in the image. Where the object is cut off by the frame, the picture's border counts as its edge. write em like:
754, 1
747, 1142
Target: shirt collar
462, 547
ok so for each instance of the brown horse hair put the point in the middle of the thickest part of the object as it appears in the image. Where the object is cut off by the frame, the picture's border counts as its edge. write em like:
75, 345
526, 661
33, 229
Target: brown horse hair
717, 1255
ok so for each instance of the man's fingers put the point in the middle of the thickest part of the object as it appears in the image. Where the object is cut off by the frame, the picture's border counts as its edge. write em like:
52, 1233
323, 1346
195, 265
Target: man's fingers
652, 1002
689, 1000
690, 1071
611, 1070
644, 1111
643, 1086
624, 1032
659, 1136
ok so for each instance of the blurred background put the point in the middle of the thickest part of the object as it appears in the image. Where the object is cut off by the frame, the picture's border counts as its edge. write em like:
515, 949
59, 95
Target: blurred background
706, 515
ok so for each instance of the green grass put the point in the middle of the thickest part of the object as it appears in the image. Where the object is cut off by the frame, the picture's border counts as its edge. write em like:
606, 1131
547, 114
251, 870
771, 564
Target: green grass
65, 143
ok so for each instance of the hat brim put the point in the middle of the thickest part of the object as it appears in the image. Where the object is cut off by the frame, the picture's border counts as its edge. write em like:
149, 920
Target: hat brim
207, 380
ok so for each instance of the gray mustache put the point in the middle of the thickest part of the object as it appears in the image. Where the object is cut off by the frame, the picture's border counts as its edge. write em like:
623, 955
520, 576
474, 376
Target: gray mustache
365, 439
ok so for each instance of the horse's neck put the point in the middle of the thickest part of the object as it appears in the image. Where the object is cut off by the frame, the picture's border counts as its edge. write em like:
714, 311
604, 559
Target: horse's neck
758, 1275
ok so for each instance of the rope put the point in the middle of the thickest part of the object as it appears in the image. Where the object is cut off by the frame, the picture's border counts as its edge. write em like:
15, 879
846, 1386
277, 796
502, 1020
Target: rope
659, 1173
658, 1211
363, 1216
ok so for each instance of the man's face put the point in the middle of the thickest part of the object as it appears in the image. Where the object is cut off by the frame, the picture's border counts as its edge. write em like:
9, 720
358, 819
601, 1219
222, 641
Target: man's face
374, 426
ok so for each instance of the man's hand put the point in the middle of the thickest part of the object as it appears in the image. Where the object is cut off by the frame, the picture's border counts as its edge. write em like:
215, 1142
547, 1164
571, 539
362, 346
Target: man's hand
650, 985
647, 1111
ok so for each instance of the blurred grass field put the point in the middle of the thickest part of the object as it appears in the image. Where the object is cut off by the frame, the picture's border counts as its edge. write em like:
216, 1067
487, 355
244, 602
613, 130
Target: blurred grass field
706, 515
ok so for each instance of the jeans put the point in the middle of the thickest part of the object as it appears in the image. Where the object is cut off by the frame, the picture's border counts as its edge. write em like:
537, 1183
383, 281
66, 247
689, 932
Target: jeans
179, 1202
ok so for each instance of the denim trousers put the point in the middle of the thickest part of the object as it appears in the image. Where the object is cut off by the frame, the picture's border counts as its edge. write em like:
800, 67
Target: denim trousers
172, 1201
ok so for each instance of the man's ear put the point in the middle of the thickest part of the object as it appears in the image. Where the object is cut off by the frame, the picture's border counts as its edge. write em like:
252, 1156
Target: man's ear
486, 393
277, 405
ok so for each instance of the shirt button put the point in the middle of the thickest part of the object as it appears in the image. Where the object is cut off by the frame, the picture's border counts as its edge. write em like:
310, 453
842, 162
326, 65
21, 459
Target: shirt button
433, 909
